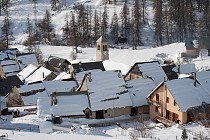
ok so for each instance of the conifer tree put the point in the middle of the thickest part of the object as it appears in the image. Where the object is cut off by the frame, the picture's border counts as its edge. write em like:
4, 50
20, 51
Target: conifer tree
74, 34
104, 22
6, 32
46, 28
184, 135
114, 28
124, 16
137, 22
96, 26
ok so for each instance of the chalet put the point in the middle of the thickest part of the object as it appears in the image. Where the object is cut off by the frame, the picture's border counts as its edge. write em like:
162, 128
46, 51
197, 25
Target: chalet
152, 70
107, 94
138, 90
57, 64
173, 101
192, 47
204, 43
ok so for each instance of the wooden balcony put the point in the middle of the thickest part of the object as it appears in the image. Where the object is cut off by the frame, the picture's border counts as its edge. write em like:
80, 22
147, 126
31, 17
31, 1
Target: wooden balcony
164, 121
155, 103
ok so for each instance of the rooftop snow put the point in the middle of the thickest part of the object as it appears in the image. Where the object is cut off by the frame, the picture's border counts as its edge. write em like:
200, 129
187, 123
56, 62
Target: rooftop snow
39, 75
186, 94
139, 89
8, 62
62, 75
27, 59
32, 99
59, 86
11, 68
105, 86
31, 87
70, 105
26, 71
203, 78
153, 70
187, 68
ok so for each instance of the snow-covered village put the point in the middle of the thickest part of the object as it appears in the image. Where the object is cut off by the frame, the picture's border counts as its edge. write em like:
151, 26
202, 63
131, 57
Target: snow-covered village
105, 69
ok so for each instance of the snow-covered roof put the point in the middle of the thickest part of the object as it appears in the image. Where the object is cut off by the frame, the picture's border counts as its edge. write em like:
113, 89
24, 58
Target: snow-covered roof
80, 75
107, 88
153, 70
186, 94
111, 65
3, 102
139, 89
63, 75
187, 68
39, 75
11, 68
11, 74
203, 78
8, 62
59, 86
26, 71
32, 99
70, 105
26, 59
43, 106
102, 39
31, 87
3, 56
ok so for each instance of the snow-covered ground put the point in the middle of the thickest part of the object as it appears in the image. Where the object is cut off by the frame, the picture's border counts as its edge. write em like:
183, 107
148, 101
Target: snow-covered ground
27, 127
80, 132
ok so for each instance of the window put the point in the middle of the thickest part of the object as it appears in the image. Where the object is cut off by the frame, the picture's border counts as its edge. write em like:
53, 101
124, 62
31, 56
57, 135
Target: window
104, 47
174, 103
105, 111
98, 47
167, 99
156, 109
157, 97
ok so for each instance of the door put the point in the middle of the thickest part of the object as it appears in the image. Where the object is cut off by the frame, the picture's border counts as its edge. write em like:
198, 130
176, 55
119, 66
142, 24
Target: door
100, 114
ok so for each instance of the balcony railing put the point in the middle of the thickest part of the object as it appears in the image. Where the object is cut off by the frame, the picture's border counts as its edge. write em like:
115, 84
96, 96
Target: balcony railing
154, 102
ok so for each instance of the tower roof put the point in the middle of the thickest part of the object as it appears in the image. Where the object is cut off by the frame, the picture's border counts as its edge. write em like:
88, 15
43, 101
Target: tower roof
102, 39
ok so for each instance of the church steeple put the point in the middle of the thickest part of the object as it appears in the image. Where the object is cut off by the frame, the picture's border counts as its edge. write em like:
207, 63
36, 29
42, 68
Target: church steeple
102, 50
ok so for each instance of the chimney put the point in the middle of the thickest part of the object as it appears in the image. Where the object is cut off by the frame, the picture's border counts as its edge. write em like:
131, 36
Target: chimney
89, 77
119, 73
178, 68
194, 78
